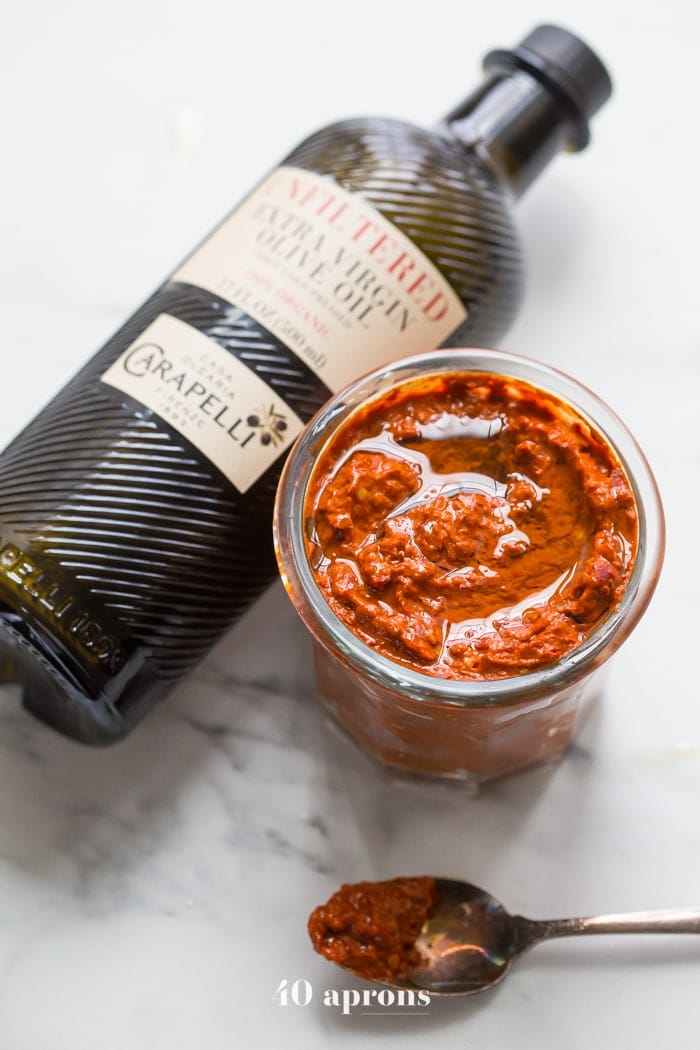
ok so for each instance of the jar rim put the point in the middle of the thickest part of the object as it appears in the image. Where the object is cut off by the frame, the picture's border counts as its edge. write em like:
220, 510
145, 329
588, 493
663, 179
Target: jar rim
334, 635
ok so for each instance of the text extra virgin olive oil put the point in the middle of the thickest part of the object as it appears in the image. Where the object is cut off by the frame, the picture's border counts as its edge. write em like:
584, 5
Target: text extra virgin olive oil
135, 510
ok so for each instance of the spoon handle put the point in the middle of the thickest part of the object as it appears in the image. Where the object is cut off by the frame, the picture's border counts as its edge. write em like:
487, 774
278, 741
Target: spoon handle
674, 920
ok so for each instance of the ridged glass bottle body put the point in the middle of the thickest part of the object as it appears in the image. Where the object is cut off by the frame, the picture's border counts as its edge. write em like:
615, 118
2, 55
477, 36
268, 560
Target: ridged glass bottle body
132, 553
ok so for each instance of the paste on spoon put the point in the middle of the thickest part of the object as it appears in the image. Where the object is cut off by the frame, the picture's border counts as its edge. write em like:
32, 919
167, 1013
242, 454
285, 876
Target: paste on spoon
371, 927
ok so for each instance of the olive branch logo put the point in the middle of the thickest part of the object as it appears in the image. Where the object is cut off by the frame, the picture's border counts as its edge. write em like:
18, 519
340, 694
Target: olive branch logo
270, 425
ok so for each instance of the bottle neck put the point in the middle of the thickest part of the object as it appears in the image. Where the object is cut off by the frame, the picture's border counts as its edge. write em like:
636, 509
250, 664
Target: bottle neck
516, 124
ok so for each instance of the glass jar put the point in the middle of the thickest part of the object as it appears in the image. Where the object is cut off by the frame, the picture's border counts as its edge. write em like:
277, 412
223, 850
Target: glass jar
469, 730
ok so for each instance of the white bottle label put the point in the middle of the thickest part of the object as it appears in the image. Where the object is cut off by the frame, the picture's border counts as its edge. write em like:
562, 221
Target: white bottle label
209, 396
333, 279
323, 271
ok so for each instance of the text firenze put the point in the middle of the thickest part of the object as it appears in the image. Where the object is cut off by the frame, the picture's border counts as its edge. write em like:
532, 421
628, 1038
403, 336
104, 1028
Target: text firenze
150, 359
380, 276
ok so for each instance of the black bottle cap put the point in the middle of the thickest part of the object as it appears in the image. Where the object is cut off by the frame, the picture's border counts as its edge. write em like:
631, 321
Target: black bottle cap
567, 67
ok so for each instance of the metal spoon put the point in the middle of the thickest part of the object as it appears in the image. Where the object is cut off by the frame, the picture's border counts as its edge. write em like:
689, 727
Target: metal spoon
470, 940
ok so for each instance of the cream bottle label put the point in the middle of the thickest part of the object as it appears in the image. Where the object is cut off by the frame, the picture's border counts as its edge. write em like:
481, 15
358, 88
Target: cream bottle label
328, 275
209, 396
323, 271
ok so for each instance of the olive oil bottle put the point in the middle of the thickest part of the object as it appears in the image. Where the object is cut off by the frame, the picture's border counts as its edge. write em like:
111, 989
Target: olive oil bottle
135, 510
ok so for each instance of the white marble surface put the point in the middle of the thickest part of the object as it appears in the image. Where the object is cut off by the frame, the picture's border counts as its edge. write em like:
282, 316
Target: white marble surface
155, 895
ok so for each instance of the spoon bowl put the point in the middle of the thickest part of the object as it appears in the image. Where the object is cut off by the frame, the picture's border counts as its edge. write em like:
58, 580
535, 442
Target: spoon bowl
468, 943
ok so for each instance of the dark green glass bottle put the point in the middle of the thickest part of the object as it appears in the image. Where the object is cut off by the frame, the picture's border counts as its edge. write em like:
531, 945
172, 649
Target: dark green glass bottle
135, 510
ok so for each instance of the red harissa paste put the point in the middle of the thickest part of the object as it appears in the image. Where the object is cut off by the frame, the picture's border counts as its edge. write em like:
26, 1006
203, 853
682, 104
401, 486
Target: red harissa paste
470, 526
371, 927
